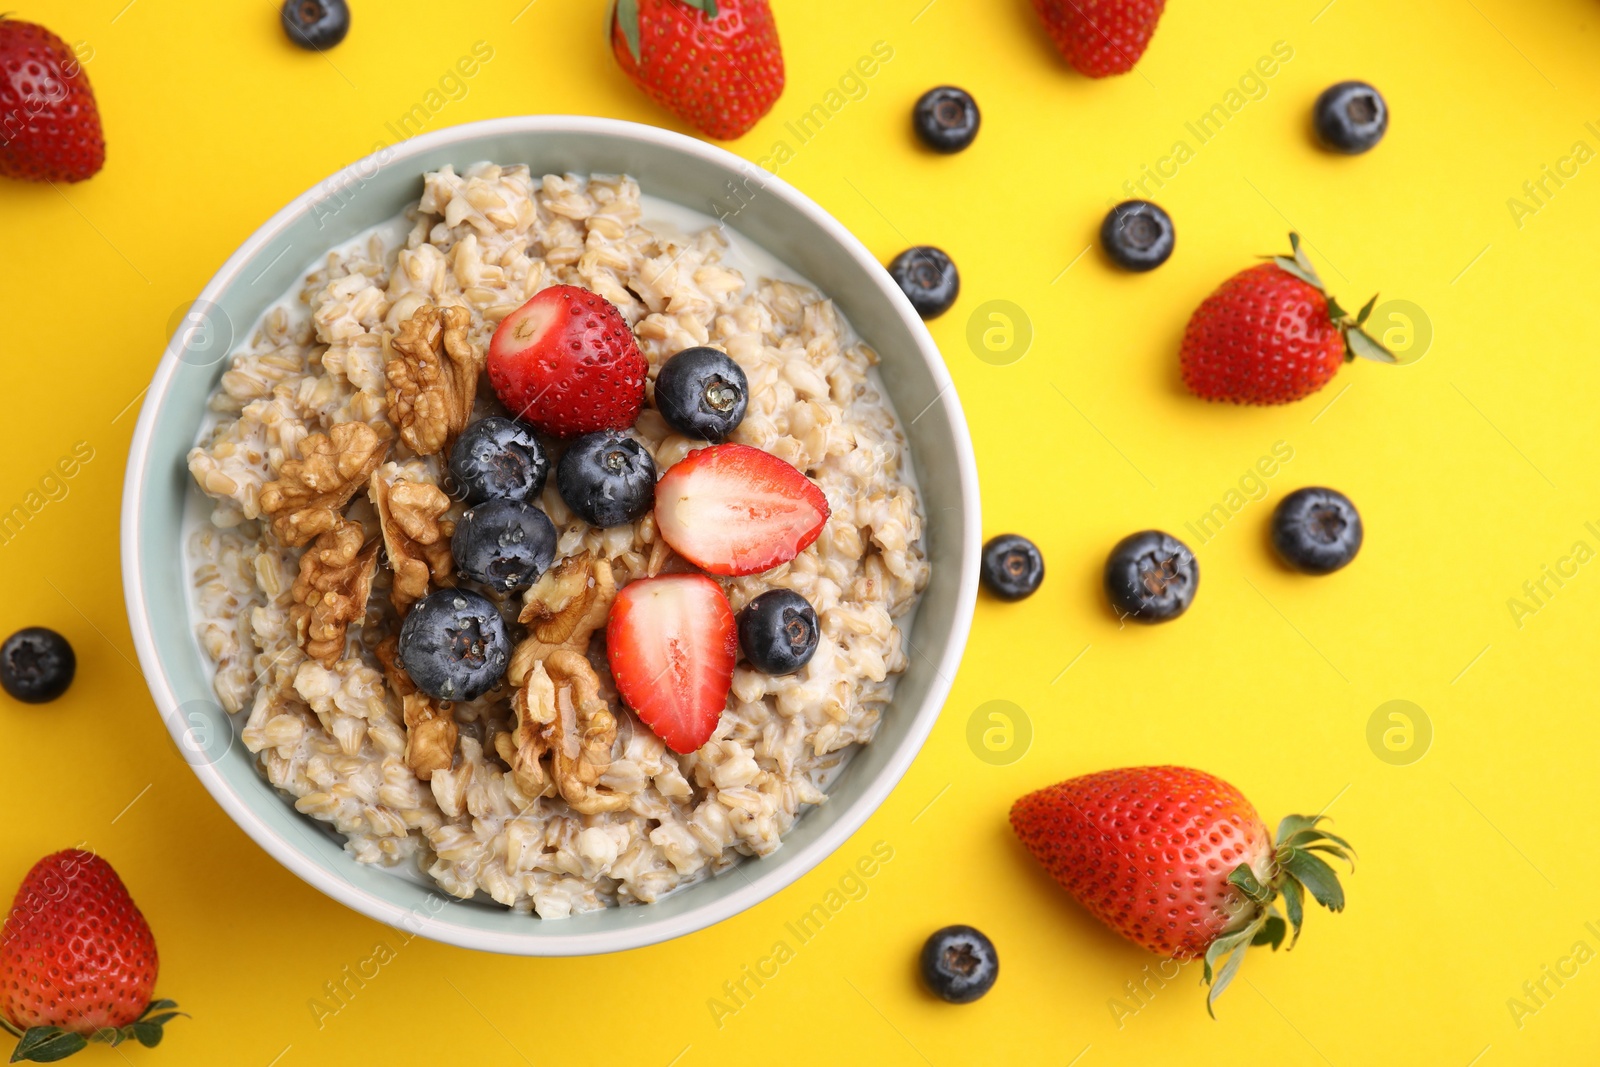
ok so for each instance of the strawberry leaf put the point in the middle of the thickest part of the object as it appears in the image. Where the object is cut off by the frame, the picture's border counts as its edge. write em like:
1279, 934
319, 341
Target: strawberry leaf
1366, 311
147, 1033
1293, 907
159, 1005
1289, 266
47, 1044
1364, 345
108, 1035
1303, 260
1243, 877
1229, 948
1271, 932
1318, 879
626, 16
1295, 824
709, 7
1311, 835
1332, 850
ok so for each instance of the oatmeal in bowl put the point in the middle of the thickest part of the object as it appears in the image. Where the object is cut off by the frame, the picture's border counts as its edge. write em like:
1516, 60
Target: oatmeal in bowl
551, 546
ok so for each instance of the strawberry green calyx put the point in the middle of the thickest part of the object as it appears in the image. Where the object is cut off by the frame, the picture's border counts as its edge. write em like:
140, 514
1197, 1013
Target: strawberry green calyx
1357, 341
47, 1044
625, 16
1297, 871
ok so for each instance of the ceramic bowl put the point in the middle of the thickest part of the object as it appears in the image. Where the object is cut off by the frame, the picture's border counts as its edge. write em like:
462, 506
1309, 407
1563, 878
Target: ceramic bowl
753, 202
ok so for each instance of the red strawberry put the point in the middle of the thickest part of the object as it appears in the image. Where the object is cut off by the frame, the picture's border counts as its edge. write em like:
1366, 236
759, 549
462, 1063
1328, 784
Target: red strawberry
736, 510
1178, 861
566, 361
671, 643
1101, 37
78, 962
1272, 335
49, 125
715, 64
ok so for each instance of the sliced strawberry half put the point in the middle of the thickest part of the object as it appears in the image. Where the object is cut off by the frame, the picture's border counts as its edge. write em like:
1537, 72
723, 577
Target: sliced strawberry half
671, 642
735, 510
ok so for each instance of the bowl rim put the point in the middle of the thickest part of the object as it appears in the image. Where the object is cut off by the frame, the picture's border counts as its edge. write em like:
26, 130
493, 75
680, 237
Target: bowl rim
743, 893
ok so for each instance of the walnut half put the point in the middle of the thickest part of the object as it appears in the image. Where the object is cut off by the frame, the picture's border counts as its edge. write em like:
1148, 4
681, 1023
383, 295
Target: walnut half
563, 721
432, 378
331, 591
430, 724
415, 535
562, 610
310, 492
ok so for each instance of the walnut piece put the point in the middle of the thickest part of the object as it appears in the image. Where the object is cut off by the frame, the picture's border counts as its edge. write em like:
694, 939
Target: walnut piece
433, 378
331, 591
562, 610
310, 492
415, 536
565, 731
430, 724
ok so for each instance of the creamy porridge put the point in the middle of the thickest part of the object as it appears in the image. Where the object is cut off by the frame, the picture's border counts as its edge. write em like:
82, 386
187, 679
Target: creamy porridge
326, 518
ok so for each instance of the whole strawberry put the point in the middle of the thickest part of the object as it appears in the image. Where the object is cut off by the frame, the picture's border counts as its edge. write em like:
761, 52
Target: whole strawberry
77, 962
1272, 335
567, 362
1101, 37
49, 125
716, 64
1178, 861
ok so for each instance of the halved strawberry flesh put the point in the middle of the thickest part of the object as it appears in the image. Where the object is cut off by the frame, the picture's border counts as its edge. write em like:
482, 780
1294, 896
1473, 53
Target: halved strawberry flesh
736, 510
671, 642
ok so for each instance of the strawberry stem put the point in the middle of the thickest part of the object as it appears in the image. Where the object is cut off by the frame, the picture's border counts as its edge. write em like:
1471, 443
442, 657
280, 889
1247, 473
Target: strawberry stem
624, 16
1297, 870
1357, 342
47, 1044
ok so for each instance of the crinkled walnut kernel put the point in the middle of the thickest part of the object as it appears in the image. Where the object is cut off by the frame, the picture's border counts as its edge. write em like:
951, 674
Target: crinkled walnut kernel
331, 591
561, 715
433, 377
430, 724
415, 536
310, 492
562, 610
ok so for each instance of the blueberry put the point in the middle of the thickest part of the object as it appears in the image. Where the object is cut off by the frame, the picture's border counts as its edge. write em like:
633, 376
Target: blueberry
1151, 577
928, 278
36, 665
316, 25
1351, 117
702, 393
1138, 235
778, 632
505, 544
959, 964
607, 479
1012, 567
946, 118
498, 459
454, 644
1316, 531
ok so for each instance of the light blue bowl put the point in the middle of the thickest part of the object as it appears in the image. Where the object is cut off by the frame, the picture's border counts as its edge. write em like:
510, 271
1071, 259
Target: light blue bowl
772, 214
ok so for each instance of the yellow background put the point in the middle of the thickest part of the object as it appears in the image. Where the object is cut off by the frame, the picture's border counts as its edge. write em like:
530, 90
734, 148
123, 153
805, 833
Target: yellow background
1473, 468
